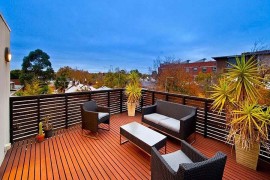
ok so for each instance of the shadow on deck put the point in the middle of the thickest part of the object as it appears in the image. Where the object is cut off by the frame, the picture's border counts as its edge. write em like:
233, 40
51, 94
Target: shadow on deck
68, 155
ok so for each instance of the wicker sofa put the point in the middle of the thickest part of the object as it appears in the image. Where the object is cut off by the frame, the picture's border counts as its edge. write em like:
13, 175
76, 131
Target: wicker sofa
174, 119
187, 163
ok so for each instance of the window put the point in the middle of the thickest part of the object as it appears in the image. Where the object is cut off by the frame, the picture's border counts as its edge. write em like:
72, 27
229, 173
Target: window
187, 69
204, 69
214, 69
195, 69
231, 60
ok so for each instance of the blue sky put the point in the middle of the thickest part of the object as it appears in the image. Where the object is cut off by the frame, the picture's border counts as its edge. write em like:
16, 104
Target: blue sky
99, 35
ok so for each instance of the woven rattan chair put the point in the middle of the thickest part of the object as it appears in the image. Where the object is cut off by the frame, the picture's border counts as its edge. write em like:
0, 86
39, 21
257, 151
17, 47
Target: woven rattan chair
187, 163
92, 116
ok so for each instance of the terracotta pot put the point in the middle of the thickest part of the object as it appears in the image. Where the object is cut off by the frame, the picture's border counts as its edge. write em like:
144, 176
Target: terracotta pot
131, 109
40, 138
248, 158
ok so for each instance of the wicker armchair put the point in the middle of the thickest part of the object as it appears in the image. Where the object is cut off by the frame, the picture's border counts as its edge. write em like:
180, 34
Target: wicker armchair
187, 163
92, 116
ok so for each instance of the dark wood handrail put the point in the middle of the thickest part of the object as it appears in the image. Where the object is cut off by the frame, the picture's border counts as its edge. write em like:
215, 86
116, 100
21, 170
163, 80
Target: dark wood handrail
26, 111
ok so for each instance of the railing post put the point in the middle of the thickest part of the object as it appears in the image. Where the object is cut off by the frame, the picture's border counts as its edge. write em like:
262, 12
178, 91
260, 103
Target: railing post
141, 101
38, 112
108, 101
66, 108
205, 118
121, 100
90, 96
153, 97
166, 97
184, 100
11, 120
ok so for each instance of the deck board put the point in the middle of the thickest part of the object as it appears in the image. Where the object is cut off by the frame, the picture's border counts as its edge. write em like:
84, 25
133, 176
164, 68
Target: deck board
69, 155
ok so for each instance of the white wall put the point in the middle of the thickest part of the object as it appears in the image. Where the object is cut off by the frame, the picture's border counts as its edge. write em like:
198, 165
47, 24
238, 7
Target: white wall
4, 87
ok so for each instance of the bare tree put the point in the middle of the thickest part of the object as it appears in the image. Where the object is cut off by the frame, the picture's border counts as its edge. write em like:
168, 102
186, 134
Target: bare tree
259, 45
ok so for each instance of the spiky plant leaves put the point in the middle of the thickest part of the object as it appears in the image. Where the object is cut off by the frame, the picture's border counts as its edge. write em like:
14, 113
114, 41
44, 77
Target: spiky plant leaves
133, 93
245, 79
221, 93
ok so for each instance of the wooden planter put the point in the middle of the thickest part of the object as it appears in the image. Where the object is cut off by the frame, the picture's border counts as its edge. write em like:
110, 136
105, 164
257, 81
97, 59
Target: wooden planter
248, 158
131, 109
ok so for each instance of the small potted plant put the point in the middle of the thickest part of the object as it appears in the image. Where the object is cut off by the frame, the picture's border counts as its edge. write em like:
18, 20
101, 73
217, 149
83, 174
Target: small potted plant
133, 91
48, 127
40, 136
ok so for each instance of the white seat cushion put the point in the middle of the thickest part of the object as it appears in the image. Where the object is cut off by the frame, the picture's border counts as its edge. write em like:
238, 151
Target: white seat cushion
102, 114
155, 117
171, 123
176, 158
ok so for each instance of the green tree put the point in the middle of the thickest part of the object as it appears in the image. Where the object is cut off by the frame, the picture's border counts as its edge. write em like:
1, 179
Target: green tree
204, 80
65, 71
137, 72
61, 83
31, 89
62, 76
36, 87
36, 65
15, 74
76, 74
116, 79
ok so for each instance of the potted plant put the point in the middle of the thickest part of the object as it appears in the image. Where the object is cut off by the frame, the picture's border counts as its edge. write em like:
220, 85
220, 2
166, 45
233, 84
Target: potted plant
40, 136
48, 127
237, 93
133, 91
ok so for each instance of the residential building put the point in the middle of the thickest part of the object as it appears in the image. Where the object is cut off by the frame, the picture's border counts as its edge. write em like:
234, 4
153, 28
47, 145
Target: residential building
223, 61
193, 68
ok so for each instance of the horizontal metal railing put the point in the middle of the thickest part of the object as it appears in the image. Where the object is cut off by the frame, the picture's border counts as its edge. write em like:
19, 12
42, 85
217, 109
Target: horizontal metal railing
27, 111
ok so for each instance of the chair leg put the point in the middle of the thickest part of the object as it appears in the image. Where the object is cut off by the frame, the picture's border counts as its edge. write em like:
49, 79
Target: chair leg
107, 129
89, 136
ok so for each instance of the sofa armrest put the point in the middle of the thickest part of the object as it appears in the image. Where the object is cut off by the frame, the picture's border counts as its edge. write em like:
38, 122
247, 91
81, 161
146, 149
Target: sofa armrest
103, 109
188, 125
160, 169
191, 152
188, 117
149, 109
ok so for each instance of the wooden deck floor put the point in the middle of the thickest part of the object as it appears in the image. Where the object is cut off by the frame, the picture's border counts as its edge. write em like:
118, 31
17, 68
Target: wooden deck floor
68, 155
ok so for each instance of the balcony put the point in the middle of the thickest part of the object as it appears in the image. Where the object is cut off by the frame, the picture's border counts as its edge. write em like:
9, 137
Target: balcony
70, 155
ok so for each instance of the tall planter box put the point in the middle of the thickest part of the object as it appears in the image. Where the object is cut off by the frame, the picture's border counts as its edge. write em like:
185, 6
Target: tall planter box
248, 158
131, 109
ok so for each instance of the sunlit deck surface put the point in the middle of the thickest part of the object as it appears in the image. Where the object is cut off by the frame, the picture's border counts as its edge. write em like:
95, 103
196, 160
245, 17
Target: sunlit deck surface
69, 155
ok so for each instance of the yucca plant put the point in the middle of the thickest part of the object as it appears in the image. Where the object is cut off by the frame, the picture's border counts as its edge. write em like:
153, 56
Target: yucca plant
237, 93
133, 91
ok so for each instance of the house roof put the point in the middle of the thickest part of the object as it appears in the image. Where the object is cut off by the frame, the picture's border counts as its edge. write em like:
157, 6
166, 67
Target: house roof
224, 57
264, 52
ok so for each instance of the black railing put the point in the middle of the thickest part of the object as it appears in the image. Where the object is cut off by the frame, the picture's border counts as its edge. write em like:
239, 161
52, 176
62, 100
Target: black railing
27, 111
